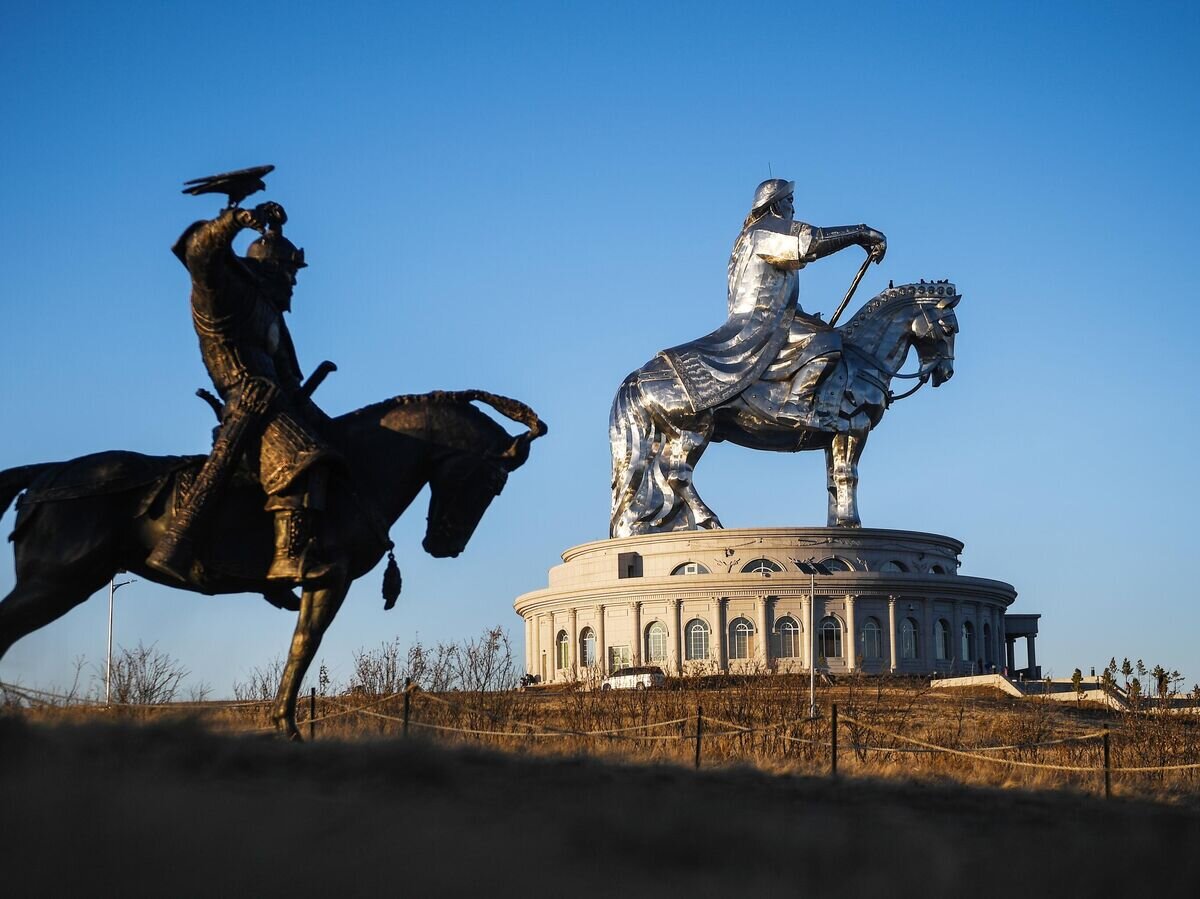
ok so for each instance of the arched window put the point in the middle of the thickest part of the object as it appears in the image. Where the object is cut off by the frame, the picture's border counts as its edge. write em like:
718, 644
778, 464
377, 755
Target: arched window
741, 639
562, 650
690, 568
968, 642
836, 564
697, 640
762, 567
941, 639
656, 642
789, 638
909, 643
893, 566
872, 637
937, 569
831, 638
587, 648
987, 644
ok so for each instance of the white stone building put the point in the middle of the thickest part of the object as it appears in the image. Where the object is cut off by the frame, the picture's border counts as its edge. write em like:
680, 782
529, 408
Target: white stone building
735, 600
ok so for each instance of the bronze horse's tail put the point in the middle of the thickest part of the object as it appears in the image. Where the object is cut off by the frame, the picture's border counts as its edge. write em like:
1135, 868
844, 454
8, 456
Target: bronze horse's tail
14, 480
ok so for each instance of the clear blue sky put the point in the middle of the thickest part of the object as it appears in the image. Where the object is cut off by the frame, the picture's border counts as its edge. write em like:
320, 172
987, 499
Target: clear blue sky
535, 198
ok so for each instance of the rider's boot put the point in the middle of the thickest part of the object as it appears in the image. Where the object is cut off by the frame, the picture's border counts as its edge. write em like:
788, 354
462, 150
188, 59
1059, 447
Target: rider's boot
298, 554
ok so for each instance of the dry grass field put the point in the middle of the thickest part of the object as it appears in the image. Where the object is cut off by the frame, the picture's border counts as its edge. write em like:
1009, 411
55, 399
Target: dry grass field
762, 722
179, 809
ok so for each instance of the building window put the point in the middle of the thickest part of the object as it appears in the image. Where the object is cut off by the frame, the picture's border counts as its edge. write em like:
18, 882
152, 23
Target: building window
987, 644
968, 642
789, 638
761, 567
836, 564
941, 639
697, 640
562, 650
741, 639
587, 648
937, 569
690, 568
618, 657
872, 637
909, 644
656, 642
893, 566
831, 638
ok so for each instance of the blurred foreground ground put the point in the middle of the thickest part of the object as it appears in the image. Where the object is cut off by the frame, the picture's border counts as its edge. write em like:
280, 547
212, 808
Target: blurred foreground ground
180, 811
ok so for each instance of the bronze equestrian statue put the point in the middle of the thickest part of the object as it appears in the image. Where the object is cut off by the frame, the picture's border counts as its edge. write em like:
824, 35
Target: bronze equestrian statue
80, 521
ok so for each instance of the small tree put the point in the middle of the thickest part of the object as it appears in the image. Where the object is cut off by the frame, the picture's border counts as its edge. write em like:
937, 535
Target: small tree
1077, 683
1126, 671
145, 675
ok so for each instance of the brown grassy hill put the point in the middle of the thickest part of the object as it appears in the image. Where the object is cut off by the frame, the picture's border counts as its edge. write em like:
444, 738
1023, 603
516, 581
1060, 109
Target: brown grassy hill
174, 810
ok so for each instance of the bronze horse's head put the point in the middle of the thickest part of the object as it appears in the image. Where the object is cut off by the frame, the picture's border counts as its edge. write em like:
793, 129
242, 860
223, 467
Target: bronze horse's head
473, 468
933, 329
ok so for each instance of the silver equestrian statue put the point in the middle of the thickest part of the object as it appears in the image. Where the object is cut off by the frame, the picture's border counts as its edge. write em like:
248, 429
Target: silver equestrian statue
773, 377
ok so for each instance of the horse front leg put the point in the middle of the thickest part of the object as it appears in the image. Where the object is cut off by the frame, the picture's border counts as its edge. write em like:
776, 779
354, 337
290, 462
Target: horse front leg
841, 460
317, 608
685, 451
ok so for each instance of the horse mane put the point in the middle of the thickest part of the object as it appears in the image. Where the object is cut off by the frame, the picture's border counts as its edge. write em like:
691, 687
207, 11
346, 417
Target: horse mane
904, 295
506, 406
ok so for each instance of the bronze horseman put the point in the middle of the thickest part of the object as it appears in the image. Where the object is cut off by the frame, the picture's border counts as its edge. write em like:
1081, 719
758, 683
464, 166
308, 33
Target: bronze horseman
81, 520
237, 310
771, 377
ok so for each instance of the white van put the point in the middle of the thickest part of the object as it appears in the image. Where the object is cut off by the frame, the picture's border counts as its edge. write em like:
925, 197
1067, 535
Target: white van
637, 678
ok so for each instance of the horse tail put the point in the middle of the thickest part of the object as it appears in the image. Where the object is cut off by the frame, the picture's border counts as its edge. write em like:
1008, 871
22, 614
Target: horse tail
14, 480
640, 489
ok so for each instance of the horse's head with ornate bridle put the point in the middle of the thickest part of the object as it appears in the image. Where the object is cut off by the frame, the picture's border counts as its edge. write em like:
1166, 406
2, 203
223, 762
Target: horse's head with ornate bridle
911, 316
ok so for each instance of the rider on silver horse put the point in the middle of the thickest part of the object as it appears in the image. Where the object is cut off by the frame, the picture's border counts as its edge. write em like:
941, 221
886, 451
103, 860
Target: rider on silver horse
767, 335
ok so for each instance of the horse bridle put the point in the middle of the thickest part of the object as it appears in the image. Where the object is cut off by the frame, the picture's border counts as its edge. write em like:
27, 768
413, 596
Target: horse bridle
922, 373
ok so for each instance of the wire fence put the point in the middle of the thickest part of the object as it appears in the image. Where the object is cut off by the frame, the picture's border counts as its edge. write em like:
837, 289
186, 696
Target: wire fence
873, 739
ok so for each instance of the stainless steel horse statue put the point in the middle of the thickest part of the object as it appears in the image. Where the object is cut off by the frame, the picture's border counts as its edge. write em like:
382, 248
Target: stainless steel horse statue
658, 434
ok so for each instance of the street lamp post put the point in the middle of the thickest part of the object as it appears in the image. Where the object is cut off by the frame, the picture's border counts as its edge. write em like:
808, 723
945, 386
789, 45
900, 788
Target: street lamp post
113, 587
812, 569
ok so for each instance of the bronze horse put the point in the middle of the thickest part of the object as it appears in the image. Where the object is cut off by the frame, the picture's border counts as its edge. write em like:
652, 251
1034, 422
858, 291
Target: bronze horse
81, 521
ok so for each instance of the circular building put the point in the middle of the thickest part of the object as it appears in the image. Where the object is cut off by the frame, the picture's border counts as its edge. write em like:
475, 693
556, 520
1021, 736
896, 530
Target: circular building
737, 600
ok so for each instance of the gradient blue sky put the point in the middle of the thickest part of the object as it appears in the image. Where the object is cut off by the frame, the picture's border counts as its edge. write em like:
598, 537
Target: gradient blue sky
535, 198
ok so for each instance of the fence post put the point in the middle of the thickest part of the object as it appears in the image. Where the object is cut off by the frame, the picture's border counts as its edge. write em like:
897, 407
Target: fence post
312, 712
699, 727
1107, 768
407, 696
833, 741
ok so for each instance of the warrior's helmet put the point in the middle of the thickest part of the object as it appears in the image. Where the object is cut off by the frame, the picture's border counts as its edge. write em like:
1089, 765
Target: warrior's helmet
770, 191
274, 250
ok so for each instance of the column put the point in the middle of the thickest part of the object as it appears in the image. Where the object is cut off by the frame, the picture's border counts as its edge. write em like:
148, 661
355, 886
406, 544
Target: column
529, 644
808, 626
572, 644
1029, 648
892, 633
635, 647
930, 634
677, 634
537, 646
850, 649
956, 637
601, 645
722, 659
978, 640
764, 641
1010, 654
